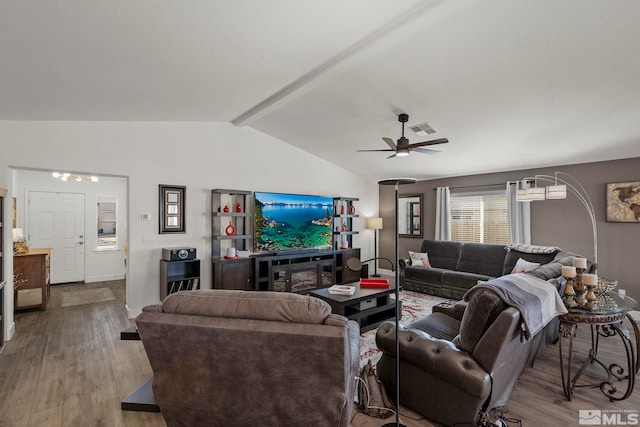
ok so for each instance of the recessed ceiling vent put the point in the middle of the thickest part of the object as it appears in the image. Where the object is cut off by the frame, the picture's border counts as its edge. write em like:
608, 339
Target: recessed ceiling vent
423, 129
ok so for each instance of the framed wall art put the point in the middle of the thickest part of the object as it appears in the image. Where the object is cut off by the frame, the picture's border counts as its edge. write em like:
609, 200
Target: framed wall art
623, 202
172, 208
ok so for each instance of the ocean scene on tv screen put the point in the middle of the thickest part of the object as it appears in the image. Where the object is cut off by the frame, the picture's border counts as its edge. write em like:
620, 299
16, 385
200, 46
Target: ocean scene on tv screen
292, 221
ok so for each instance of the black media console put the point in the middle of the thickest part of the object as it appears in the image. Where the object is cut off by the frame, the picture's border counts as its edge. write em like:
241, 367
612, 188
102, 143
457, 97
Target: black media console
298, 271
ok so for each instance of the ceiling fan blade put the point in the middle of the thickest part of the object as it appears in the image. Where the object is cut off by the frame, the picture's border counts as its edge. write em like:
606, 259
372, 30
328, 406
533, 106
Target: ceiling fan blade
393, 155
424, 143
375, 150
390, 142
424, 150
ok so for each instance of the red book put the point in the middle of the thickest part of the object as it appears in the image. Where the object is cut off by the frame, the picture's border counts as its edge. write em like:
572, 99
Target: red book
374, 283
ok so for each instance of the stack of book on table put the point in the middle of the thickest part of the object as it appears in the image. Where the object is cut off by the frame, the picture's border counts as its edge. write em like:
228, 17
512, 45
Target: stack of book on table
342, 290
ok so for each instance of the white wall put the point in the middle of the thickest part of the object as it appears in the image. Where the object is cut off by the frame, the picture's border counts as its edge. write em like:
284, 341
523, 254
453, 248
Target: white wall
99, 265
199, 155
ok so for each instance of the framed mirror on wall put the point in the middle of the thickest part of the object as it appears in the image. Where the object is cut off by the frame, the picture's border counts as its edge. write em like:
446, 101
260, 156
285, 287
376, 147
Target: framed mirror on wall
410, 215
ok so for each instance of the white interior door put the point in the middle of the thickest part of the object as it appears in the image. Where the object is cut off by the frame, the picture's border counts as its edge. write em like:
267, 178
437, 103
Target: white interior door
56, 221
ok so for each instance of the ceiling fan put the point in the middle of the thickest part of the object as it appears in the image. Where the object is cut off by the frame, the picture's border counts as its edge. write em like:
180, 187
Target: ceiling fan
403, 147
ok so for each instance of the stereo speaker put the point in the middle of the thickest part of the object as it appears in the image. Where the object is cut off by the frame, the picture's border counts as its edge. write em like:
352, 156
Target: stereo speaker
178, 254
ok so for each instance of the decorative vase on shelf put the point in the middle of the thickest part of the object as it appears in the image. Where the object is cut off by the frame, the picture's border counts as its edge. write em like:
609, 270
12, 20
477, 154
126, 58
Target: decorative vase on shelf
226, 208
238, 207
352, 209
230, 230
341, 209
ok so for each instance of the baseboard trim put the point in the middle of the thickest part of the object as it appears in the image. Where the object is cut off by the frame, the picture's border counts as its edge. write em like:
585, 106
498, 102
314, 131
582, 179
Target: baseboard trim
104, 278
11, 331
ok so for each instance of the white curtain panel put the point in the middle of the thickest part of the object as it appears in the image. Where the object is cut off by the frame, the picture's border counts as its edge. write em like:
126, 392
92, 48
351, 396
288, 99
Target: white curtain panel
443, 214
519, 216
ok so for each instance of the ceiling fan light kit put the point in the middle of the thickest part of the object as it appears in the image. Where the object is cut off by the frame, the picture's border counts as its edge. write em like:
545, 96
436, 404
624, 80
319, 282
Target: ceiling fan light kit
403, 148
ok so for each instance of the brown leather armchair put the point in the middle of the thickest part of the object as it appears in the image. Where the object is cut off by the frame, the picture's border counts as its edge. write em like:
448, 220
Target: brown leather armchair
241, 358
458, 362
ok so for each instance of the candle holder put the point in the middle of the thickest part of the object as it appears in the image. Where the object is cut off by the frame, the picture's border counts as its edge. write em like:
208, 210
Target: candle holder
579, 287
569, 294
591, 298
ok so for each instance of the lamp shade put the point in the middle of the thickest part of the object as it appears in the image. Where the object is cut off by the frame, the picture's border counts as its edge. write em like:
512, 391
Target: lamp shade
536, 193
556, 192
374, 223
521, 195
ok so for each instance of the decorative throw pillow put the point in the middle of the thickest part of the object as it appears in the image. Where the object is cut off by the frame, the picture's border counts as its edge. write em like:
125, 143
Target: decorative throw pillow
547, 271
532, 249
522, 266
419, 259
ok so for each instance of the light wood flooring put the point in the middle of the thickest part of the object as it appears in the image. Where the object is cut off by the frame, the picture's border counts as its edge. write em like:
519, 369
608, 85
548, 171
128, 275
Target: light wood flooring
68, 367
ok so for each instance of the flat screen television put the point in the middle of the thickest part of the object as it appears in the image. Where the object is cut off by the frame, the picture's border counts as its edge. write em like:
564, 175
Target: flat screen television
292, 221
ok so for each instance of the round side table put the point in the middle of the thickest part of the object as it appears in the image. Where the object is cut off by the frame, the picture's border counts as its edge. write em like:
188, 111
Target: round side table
606, 320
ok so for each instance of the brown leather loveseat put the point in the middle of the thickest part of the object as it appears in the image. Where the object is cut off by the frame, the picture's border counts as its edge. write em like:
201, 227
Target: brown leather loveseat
240, 358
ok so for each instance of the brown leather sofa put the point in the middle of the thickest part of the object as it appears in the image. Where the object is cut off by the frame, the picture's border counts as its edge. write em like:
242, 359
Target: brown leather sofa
459, 361
241, 358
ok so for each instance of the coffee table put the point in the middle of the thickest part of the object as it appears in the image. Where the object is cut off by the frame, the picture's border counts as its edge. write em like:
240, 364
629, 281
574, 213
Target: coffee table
367, 306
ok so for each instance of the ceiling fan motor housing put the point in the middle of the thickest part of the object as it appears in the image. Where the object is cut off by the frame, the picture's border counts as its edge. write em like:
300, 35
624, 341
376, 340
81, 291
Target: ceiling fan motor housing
403, 118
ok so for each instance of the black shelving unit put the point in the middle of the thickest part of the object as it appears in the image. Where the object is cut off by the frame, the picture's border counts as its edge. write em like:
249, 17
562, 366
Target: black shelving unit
344, 211
183, 275
231, 208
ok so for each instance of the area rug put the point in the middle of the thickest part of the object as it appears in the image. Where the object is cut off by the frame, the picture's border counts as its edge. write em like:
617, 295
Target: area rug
86, 296
415, 306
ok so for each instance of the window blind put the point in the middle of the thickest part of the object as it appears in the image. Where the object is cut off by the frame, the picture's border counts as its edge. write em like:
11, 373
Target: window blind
482, 218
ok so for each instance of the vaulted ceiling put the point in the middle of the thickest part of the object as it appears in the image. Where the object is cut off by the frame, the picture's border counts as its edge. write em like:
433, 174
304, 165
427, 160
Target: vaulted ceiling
511, 84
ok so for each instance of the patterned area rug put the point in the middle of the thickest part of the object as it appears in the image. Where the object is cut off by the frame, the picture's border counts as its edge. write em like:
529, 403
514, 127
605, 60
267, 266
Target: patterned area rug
86, 296
415, 306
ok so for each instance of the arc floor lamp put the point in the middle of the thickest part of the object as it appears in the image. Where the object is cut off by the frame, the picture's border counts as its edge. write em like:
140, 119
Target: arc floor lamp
397, 182
561, 184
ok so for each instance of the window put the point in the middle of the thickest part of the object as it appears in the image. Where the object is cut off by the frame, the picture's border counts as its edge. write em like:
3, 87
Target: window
480, 217
107, 215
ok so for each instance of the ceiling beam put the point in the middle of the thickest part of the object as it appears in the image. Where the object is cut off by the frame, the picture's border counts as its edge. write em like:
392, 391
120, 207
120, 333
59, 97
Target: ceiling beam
386, 36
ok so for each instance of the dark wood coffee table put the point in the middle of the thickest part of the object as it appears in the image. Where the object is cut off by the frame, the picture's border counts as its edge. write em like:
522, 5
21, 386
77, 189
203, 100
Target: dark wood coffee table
367, 306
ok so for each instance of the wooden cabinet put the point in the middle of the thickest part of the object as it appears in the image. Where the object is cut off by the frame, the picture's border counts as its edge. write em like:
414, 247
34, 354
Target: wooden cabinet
344, 211
31, 279
233, 274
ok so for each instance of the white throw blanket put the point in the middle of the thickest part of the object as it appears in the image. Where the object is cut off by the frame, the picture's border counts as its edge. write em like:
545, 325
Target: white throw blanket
537, 300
